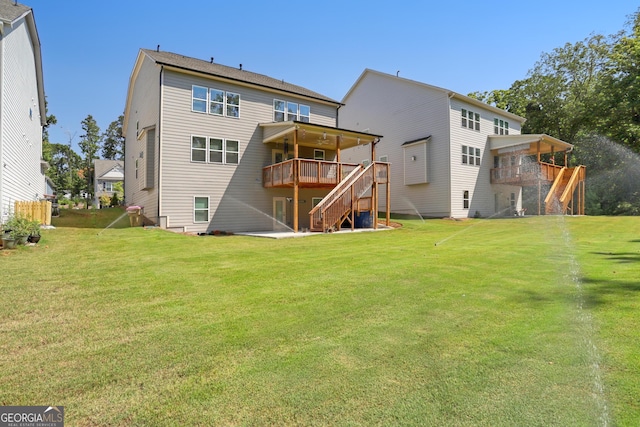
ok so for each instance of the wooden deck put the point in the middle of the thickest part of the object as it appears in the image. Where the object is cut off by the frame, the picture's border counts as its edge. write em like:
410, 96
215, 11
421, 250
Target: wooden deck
310, 173
525, 175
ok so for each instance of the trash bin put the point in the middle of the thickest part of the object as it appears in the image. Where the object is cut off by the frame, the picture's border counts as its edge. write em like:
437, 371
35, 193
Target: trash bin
135, 215
364, 220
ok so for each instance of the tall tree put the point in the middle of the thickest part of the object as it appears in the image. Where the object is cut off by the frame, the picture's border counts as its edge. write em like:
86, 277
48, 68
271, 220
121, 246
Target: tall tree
619, 105
90, 145
113, 141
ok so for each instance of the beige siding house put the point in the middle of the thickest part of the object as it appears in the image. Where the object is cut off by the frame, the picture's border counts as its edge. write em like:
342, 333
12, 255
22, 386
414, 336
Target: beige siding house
22, 108
210, 147
454, 156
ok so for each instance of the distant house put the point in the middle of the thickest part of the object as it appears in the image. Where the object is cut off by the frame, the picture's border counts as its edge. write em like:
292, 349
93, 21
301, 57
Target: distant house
107, 173
210, 147
454, 156
22, 108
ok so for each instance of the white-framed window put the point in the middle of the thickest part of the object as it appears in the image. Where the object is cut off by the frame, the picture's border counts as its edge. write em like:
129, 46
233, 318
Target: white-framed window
470, 155
198, 149
315, 201
365, 162
305, 113
233, 104
500, 127
470, 119
278, 110
465, 199
215, 150
287, 111
215, 101
384, 159
107, 185
318, 154
199, 99
201, 209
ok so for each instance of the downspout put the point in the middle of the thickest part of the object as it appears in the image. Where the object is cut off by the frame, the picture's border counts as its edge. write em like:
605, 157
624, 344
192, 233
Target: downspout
338, 115
158, 135
449, 97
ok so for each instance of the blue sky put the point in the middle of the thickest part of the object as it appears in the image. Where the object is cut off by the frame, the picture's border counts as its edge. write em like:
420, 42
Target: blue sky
89, 47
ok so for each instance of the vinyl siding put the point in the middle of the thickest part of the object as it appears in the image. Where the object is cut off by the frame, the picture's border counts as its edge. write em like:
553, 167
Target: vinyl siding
238, 202
143, 115
21, 177
401, 110
465, 177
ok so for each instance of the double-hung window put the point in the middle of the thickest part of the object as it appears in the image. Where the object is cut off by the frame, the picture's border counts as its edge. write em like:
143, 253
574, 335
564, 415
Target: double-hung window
470, 155
470, 119
500, 127
465, 199
215, 101
200, 209
199, 99
287, 111
215, 150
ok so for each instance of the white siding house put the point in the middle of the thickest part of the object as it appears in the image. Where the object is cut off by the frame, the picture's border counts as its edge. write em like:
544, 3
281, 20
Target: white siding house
201, 139
107, 175
442, 146
22, 108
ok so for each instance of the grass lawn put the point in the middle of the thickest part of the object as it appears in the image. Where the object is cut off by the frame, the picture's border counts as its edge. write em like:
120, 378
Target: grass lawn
520, 321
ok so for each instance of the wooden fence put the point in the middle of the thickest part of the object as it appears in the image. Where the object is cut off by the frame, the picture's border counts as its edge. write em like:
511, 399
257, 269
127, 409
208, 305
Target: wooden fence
40, 211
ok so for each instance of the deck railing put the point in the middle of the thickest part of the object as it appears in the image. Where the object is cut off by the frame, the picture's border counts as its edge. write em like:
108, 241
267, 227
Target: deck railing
310, 173
526, 173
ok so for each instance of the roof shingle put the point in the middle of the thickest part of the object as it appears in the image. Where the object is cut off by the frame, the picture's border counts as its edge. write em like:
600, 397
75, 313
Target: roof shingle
218, 70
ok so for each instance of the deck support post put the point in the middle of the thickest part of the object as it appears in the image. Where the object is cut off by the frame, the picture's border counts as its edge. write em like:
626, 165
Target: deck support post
295, 181
388, 172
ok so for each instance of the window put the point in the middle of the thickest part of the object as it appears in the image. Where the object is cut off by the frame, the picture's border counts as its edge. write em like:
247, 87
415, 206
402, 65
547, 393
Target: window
318, 154
198, 149
470, 155
201, 209
465, 199
215, 150
470, 119
315, 201
287, 111
500, 127
384, 159
199, 99
232, 152
305, 113
233, 104
278, 110
215, 101
107, 185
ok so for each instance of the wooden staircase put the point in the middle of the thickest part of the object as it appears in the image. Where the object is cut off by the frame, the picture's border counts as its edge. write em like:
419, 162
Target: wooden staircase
562, 192
344, 200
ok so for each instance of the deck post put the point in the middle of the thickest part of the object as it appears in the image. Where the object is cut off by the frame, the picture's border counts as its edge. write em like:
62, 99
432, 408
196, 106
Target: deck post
296, 179
388, 172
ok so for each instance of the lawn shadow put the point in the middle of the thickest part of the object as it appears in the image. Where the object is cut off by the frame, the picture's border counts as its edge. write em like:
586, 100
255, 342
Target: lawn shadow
621, 257
599, 291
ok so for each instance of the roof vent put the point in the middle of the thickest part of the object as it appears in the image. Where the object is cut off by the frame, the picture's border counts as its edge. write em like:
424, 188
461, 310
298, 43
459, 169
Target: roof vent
212, 60
158, 48
240, 67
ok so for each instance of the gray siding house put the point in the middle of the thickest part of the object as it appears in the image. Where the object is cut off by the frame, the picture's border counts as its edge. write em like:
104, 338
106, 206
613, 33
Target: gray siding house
22, 108
454, 156
210, 147
107, 174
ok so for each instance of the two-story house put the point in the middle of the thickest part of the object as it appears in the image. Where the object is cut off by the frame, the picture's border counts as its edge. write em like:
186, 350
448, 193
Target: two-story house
454, 156
211, 147
107, 175
22, 108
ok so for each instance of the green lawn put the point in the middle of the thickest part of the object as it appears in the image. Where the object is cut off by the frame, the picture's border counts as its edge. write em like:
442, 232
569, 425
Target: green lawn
523, 321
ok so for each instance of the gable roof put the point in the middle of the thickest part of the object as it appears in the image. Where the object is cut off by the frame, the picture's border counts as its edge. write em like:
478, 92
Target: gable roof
103, 167
230, 73
448, 92
12, 11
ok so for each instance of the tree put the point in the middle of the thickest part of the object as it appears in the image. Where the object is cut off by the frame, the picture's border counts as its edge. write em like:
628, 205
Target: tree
64, 164
113, 141
90, 145
619, 105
